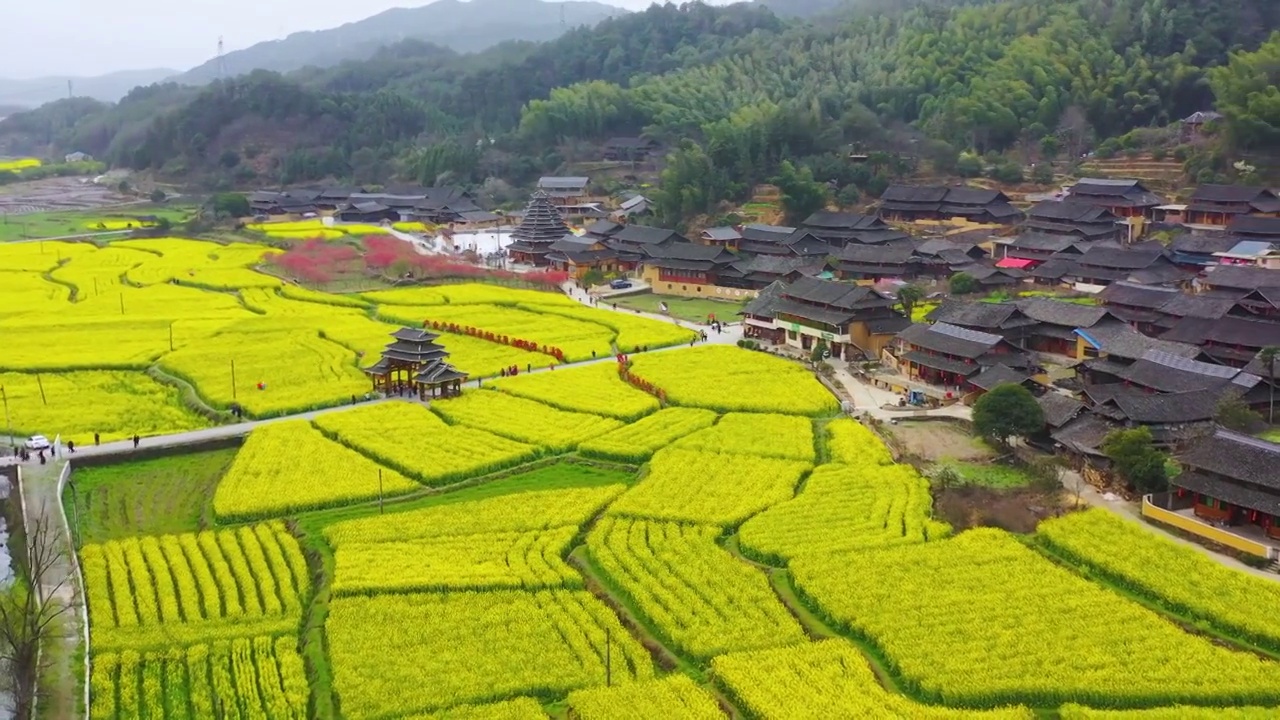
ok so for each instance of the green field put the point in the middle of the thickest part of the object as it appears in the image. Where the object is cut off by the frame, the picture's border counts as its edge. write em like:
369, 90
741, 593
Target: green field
148, 497
992, 476
34, 226
688, 309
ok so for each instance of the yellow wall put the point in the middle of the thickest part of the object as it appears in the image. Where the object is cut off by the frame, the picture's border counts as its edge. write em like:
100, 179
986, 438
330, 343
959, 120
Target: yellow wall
1195, 527
694, 290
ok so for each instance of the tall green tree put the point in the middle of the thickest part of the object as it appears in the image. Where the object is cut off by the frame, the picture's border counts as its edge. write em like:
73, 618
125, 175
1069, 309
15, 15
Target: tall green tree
1007, 411
1137, 459
1248, 94
802, 196
908, 297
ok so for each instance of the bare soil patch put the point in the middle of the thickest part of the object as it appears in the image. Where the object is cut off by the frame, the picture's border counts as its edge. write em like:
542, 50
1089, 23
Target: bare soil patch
937, 440
1019, 510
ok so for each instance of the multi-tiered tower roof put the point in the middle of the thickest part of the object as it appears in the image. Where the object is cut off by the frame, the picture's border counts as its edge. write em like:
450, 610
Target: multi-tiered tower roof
541, 226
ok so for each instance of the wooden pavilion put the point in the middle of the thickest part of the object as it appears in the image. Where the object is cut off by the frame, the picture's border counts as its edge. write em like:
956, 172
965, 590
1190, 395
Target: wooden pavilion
415, 363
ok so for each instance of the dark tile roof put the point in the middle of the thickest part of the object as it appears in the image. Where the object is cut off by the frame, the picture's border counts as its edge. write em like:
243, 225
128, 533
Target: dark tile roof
937, 246
1229, 193
1119, 340
1044, 242
1257, 367
950, 339
990, 275
998, 374
541, 224
1057, 312
1114, 193
1135, 257
780, 265
1084, 434
1236, 456
1196, 243
1058, 408
689, 251
888, 254
939, 362
1161, 272
1255, 225
603, 228
765, 303
1070, 212
914, 193
846, 221
835, 294
888, 326
1134, 295
1145, 407
1211, 307
1232, 331
1239, 495
1169, 373
767, 233
722, 233
643, 235
988, 316
1055, 268
1244, 277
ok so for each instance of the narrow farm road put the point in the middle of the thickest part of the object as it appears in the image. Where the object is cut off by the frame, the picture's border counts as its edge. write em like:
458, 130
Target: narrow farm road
60, 686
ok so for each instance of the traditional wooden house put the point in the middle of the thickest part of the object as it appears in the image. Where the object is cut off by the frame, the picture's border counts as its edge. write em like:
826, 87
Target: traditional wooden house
1122, 198
1255, 227
1196, 250
873, 263
414, 363
1231, 340
838, 229
759, 271
633, 149
1082, 220
580, 256
758, 315
367, 211
1230, 480
855, 322
1193, 124
942, 257
990, 278
1108, 347
444, 205
909, 203
1003, 319
1143, 263
563, 191
540, 227
1038, 247
726, 237
684, 268
1218, 205
1056, 322
951, 356
639, 239
1237, 278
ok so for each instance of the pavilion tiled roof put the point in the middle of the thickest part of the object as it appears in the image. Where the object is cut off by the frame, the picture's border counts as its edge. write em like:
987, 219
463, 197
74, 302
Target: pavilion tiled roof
542, 224
1113, 193
764, 304
1134, 257
1144, 407
1197, 243
1135, 295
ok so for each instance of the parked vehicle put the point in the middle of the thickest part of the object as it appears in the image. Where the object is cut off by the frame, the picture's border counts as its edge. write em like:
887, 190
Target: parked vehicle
620, 284
38, 442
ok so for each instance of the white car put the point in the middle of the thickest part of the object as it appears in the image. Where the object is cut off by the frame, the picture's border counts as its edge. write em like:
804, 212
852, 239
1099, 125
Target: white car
38, 442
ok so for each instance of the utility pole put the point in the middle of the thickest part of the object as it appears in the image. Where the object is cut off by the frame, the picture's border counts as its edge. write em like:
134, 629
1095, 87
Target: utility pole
379, 491
41, 386
7, 421
171, 337
608, 657
222, 63
233, 379
70, 91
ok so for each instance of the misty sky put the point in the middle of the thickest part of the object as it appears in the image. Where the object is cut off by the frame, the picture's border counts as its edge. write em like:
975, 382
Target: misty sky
93, 37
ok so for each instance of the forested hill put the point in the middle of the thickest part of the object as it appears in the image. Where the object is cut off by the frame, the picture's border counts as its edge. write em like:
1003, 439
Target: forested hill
736, 89
462, 26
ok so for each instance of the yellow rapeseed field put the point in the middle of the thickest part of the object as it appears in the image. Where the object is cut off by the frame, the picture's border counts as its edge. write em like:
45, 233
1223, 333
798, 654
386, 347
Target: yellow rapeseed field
19, 164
